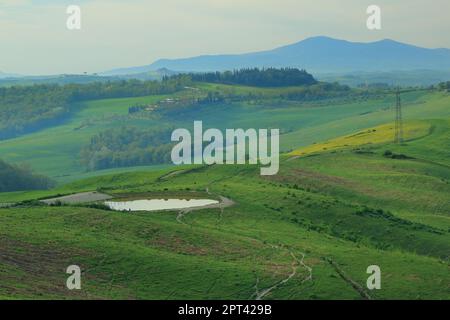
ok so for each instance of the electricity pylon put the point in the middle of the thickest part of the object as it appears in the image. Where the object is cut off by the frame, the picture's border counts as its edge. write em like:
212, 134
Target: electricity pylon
398, 119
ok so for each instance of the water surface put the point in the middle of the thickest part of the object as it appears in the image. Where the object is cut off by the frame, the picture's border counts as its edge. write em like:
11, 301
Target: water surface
159, 204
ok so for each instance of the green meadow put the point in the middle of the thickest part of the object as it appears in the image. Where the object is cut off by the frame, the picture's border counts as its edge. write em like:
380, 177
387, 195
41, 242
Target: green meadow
55, 151
339, 204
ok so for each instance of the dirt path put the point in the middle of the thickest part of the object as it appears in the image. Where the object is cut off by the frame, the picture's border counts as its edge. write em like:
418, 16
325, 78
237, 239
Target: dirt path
171, 174
349, 280
296, 263
260, 294
84, 197
308, 268
223, 203
293, 158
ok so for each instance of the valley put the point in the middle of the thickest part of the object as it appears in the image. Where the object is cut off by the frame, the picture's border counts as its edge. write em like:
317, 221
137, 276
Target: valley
56, 151
345, 197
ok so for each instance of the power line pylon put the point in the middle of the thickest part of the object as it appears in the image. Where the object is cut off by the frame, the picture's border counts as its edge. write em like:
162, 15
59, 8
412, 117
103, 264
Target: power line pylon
398, 119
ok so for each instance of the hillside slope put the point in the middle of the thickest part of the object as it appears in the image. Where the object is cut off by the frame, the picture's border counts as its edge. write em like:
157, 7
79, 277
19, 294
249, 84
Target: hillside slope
289, 234
56, 151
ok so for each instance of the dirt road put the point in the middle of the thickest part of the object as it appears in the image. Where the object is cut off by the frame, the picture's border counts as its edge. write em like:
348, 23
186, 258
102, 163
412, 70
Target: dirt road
78, 198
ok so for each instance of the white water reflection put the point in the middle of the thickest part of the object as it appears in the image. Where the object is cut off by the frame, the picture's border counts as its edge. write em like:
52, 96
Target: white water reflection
159, 204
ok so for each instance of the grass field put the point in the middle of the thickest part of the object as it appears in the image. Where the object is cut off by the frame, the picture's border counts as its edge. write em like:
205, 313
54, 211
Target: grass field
338, 205
373, 136
216, 255
56, 151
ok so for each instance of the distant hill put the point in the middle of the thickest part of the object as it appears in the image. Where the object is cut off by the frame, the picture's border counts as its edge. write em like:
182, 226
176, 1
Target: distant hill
14, 178
143, 73
7, 75
317, 55
53, 79
411, 78
7, 80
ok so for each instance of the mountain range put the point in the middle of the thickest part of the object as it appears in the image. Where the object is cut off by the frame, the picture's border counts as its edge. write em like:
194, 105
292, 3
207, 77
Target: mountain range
328, 59
316, 55
7, 75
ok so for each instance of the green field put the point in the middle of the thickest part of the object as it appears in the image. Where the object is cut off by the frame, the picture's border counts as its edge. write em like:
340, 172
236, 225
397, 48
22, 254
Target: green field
334, 208
55, 151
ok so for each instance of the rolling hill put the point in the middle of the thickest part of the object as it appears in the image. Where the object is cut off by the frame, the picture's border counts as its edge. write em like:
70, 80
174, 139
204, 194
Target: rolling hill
4, 75
338, 204
290, 236
302, 123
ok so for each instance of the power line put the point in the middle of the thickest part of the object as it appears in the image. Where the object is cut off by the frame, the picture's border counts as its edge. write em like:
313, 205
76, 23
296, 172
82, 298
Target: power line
398, 119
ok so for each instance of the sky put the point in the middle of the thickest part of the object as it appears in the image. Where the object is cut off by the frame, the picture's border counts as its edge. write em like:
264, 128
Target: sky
34, 39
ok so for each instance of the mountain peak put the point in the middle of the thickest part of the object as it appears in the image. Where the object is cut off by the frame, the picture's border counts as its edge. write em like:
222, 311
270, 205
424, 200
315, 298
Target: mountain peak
392, 42
320, 54
318, 40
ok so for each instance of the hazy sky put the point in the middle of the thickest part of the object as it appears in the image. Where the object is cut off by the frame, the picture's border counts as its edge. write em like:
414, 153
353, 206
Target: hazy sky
122, 33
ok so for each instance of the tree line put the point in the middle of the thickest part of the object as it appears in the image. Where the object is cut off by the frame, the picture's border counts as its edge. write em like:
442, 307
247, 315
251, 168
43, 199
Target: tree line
127, 147
20, 178
270, 77
444, 86
24, 109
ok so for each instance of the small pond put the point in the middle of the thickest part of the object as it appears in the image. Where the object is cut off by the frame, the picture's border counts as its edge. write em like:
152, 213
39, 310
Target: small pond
159, 204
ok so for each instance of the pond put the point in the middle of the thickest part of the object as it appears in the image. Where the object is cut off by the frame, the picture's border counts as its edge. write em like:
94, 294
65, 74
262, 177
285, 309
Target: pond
159, 204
